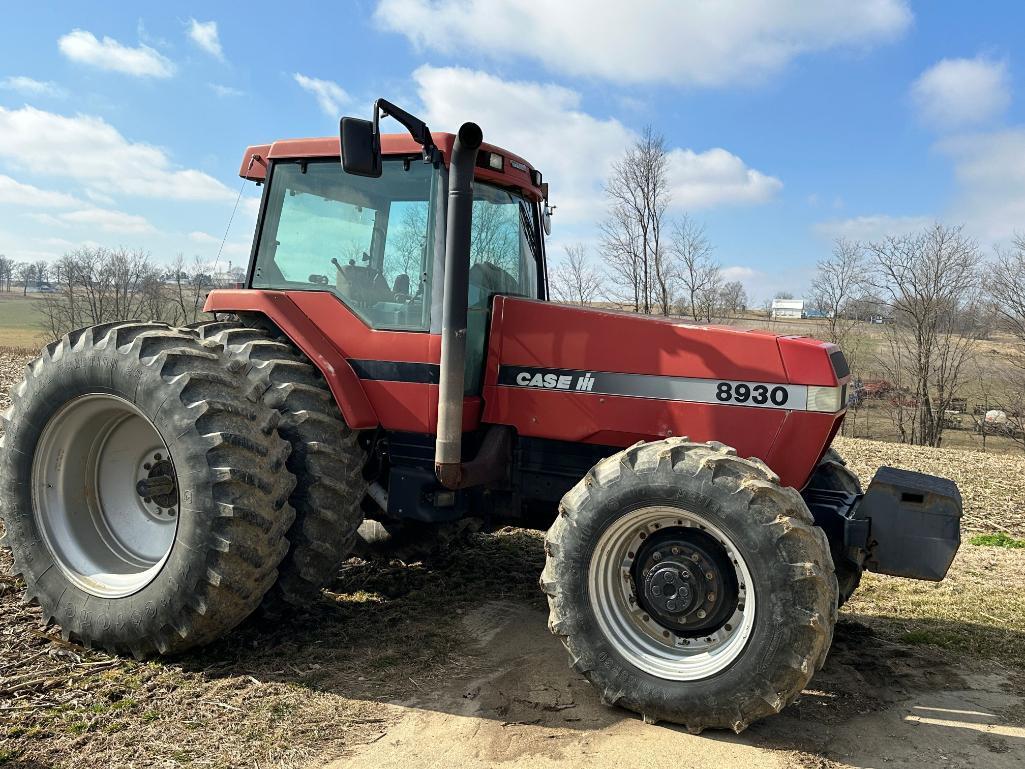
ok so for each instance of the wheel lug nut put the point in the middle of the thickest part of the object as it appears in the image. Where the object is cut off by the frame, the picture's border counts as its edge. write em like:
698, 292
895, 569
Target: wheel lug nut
675, 551
656, 590
709, 575
684, 575
694, 558
701, 613
656, 557
711, 597
671, 605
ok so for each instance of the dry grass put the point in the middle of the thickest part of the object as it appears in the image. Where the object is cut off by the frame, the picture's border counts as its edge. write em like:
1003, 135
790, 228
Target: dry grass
976, 611
991, 485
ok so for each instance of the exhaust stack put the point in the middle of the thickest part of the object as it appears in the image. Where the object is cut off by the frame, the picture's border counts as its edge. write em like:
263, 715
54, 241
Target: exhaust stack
449, 446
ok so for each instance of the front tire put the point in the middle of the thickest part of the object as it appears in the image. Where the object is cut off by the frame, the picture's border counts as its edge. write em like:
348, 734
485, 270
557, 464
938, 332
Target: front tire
630, 561
144, 489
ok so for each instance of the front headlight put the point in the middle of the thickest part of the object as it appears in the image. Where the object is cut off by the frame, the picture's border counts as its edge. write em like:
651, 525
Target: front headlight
827, 399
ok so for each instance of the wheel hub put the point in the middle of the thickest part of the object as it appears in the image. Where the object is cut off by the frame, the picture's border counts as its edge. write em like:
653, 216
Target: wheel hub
157, 487
685, 581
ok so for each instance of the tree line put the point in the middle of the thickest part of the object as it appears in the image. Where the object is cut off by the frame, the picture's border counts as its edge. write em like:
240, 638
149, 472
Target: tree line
91, 285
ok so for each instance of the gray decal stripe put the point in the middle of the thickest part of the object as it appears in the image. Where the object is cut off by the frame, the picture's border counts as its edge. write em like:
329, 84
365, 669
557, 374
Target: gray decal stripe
770, 395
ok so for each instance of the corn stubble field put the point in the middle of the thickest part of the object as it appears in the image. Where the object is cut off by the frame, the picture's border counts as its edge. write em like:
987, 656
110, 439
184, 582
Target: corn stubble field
299, 693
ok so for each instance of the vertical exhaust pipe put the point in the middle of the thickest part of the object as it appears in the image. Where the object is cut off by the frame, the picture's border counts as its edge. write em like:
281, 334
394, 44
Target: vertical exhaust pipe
448, 449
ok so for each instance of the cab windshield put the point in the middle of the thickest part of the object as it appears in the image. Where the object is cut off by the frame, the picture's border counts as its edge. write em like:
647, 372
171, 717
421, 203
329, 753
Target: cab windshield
375, 242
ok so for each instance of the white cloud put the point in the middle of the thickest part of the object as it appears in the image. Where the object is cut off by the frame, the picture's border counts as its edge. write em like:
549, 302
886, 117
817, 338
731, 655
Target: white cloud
28, 86
100, 219
15, 193
93, 152
961, 92
694, 43
576, 168
990, 173
739, 273
330, 96
716, 177
873, 227
204, 34
203, 237
84, 47
224, 90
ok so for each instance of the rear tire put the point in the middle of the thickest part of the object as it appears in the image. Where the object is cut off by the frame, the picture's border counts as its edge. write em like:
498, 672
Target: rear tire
112, 405
326, 459
773, 630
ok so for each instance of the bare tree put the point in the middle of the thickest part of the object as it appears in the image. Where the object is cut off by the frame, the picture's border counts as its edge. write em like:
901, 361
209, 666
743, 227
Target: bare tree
638, 194
99, 285
622, 258
189, 287
698, 271
932, 283
26, 271
838, 285
733, 299
574, 280
709, 296
1006, 285
41, 272
6, 272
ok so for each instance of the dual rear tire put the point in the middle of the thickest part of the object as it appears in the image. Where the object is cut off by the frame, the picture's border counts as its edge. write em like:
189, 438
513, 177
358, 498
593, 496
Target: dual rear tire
144, 489
149, 483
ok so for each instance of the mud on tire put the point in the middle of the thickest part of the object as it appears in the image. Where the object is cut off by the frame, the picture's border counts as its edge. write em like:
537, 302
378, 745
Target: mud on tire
230, 506
768, 529
326, 458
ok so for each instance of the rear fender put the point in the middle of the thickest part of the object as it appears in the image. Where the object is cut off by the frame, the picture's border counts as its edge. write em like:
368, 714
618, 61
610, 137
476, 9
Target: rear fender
292, 322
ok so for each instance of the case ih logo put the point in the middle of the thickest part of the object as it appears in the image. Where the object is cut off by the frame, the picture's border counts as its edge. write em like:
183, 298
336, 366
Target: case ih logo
584, 382
770, 395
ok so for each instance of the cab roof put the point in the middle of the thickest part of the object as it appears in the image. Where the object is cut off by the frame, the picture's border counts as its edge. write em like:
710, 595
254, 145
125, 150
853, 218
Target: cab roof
516, 171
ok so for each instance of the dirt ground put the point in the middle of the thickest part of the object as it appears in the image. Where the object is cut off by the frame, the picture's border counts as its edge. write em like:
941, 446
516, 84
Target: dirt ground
446, 661
449, 662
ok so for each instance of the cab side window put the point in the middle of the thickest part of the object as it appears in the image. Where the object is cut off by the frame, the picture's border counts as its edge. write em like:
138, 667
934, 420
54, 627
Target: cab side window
366, 240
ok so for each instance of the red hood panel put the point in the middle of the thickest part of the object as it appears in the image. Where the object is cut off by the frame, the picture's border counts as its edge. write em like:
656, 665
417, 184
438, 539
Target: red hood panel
541, 333
537, 380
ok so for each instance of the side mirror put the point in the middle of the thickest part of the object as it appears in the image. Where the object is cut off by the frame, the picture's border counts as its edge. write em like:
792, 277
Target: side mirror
361, 147
546, 219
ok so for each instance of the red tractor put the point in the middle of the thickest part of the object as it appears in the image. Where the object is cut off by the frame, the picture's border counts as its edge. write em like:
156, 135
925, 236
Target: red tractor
393, 353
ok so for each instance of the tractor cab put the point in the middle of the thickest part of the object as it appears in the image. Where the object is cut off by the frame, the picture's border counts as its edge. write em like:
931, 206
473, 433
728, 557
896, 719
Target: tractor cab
377, 243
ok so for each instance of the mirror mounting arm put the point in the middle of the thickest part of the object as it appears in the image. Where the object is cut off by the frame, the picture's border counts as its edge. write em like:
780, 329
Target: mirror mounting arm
417, 128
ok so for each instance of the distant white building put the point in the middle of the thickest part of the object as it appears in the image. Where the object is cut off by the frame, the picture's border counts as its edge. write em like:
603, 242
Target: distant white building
788, 308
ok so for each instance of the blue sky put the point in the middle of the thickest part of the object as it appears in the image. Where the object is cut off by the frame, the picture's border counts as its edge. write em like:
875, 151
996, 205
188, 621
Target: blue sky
789, 123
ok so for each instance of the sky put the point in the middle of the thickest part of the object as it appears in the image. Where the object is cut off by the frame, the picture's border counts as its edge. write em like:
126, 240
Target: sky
788, 123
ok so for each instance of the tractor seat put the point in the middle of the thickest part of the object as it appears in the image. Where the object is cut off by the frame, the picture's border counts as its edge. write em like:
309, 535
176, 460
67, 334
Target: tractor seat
401, 286
362, 285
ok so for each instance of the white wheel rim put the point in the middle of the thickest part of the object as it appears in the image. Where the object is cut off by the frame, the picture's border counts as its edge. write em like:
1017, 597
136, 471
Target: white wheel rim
105, 537
635, 635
